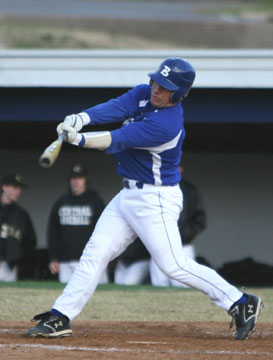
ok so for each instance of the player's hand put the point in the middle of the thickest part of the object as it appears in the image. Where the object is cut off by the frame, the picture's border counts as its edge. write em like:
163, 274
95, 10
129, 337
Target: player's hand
75, 121
54, 267
71, 132
71, 121
72, 124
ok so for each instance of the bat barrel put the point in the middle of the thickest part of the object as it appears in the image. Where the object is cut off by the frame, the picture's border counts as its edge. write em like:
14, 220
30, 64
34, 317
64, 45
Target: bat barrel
51, 153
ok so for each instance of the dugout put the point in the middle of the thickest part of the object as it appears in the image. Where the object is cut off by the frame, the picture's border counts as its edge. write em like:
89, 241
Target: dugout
228, 151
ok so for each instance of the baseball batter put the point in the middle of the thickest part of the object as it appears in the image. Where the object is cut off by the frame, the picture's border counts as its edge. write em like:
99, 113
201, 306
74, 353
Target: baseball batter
147, 151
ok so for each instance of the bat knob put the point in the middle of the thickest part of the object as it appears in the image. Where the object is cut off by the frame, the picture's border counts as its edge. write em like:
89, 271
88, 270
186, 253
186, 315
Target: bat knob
44, 162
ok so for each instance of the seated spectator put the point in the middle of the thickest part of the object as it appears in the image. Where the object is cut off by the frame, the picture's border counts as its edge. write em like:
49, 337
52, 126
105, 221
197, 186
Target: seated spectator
132, 266
17, 235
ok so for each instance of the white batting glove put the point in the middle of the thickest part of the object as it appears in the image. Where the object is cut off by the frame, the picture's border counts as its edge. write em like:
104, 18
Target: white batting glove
71, 132
76, 121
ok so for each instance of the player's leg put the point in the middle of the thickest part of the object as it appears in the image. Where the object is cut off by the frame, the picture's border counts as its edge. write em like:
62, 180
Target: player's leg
189, 252
154, 219
111, 236
158, 277
153, 213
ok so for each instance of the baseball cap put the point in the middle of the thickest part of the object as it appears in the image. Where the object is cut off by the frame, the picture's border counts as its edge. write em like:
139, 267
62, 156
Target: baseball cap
13, 179
78, 171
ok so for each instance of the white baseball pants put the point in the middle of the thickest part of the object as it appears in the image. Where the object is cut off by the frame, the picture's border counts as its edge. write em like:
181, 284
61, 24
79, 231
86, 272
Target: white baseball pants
67, 268
159, 278
151, 213
6, 273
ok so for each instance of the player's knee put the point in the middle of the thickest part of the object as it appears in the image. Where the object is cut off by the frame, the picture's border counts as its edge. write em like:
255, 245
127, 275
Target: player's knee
96, 254
171, 270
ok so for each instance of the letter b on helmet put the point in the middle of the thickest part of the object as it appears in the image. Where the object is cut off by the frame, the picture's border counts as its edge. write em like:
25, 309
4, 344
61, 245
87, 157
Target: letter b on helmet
175, 74
166, 70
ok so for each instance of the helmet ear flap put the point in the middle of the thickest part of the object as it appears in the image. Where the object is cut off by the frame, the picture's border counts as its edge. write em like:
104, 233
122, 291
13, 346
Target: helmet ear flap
175, 97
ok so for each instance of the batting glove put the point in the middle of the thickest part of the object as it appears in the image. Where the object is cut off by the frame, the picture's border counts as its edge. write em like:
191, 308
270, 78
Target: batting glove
76, 121
71, 132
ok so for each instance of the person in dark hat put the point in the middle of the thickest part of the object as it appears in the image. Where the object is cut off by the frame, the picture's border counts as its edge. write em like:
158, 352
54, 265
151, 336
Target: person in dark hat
17, 235
72, 219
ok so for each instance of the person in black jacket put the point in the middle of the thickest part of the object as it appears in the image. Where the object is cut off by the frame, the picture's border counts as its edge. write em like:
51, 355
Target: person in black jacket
17, 235
71, 222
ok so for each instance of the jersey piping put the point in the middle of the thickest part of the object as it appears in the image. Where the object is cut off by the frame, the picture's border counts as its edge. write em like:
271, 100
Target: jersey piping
156, 158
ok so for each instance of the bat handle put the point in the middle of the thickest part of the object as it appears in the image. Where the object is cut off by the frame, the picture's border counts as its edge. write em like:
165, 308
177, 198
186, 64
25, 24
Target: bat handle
63, 135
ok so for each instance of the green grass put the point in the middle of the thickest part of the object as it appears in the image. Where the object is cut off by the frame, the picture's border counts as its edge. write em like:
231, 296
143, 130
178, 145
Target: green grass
62, 34
21, 300
264, 7
24, 34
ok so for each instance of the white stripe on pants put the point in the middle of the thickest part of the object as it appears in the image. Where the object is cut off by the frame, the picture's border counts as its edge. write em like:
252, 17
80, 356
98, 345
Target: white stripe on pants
151, 214
158, 278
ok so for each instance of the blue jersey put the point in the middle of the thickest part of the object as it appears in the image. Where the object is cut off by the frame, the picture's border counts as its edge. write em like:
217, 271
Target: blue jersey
148, 147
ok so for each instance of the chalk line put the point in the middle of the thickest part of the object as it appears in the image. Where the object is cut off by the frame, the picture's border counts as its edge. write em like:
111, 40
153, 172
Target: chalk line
115, 349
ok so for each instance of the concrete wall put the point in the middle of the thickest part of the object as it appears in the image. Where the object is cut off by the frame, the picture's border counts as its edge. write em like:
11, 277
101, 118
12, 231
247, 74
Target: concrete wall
236, 188
237, 192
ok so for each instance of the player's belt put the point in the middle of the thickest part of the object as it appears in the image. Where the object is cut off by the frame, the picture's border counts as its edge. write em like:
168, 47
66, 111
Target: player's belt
132, 184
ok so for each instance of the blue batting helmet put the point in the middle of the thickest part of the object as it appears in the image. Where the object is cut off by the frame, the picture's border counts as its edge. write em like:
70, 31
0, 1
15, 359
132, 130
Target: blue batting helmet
175, 74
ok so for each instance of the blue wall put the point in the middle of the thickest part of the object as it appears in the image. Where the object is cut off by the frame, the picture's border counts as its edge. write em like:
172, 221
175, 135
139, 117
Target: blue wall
202, 106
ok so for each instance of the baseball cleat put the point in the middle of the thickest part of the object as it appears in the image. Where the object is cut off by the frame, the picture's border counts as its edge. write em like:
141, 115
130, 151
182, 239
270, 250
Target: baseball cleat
50, 326
245, 316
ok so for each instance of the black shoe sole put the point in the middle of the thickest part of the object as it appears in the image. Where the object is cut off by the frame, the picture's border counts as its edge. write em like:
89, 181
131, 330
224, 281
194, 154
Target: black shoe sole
59, 334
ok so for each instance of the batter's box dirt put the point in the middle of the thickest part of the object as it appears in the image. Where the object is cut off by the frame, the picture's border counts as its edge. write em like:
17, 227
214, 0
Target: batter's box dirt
138, 340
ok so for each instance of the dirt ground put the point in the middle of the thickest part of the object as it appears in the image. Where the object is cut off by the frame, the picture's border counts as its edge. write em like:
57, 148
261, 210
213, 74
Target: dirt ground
138, 340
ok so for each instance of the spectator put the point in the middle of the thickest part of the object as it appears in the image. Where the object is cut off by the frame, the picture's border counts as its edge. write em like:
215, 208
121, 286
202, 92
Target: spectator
71, 222
17, 235
133, 265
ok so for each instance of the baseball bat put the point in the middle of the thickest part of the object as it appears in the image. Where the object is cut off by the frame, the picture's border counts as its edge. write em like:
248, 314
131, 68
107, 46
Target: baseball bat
51, 153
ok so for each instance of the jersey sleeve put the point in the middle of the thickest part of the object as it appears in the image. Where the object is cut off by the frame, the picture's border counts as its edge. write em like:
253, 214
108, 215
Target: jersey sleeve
119, 109
148, 133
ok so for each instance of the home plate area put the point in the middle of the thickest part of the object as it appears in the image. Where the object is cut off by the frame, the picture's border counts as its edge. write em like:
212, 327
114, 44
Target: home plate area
138, 340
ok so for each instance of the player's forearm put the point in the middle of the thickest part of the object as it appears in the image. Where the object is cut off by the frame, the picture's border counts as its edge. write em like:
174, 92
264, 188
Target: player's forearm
99, 140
